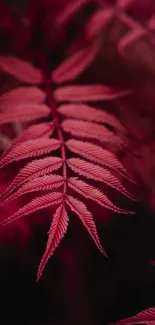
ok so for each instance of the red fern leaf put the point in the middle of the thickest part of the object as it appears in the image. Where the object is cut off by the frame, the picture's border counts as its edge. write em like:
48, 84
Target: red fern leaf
43, 183
143, 317
34, 205
87, 93
97, 154
24, 113
31, 148
22, 70
98, 173
87, 219
22, 95
72, 67
87, 113
34, 169
92, 193
91, 130
57, 231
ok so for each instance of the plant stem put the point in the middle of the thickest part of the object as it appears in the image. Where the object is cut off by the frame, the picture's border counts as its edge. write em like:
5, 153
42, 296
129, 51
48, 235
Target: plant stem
52, 104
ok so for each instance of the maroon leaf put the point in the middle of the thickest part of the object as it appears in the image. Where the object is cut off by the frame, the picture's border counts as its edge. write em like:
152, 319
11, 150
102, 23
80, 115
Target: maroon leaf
20, 69
36, 131
97, 22
34, 205
21, 95
57, 231
73, 66
98, 155
87, 113
97, 173
24, 113
34, 169
88, 93
43, 183
93, 193
87, 219
31, 148
90, 130
32, 132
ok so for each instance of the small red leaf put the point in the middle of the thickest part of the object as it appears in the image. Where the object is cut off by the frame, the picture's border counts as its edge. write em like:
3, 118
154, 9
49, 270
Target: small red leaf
92, 193
124, 3
97, 173
97, 22
24, 113
20, 69
91, 130
43, 183
69, 11
87, 219
87, 113
88, 93
130, 38
31, 148
36, 131
73, 66
143, 317
34, 205
56, 233
4, 141
98, 155
22, 95
32, 132
34, 169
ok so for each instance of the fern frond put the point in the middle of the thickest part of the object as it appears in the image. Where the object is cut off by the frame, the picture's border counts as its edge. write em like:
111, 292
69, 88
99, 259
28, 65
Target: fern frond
63, 124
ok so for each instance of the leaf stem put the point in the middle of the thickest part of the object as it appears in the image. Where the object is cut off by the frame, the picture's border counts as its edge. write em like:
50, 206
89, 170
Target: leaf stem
52, 104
